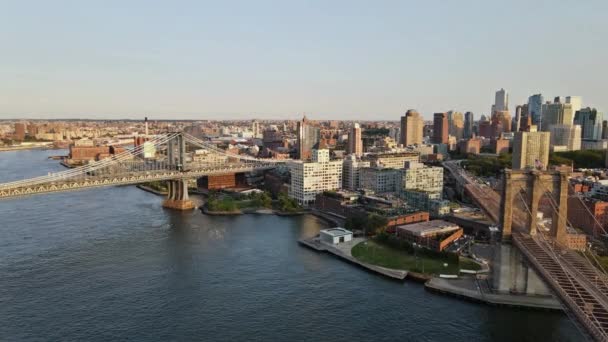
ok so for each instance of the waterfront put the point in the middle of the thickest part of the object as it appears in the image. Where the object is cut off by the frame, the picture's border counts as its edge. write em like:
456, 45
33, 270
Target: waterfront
111, 264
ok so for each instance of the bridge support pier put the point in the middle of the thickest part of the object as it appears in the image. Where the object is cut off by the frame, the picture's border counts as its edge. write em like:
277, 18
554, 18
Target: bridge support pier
506, 217
177, 196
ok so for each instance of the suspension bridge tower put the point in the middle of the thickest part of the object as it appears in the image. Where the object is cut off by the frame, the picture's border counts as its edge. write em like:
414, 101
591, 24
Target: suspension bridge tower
177, 196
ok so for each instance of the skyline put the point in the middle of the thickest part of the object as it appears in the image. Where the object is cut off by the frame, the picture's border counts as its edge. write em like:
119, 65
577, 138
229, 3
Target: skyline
273, 60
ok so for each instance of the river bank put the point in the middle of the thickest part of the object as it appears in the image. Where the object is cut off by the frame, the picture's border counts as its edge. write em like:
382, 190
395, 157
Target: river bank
465, 285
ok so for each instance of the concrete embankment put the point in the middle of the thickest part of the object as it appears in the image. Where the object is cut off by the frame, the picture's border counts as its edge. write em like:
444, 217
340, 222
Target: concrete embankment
343, 251
150, 190
468, 289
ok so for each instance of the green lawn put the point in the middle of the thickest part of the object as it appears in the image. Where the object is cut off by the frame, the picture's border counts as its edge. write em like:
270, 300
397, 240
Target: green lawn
374, 253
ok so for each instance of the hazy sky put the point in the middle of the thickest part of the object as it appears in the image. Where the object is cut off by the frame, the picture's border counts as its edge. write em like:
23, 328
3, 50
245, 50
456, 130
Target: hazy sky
278, 59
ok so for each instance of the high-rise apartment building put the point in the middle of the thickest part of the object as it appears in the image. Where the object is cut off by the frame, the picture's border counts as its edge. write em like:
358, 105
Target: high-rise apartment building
351, 172
440, 128
566, 137
309, 178
535, 108
531, 150
355, 144
308, 138
469, 123
412, 127
590, 121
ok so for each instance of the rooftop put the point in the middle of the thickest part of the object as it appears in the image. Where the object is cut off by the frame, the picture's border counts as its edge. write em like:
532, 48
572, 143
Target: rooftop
336, 231
429, 227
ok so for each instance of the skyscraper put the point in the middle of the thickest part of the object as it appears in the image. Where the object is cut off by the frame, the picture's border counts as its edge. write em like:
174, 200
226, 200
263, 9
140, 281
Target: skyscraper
501, 101
535, 108
456, 124
591, 123
521, 111
440, 128
469, 120
355, 144
531, 150
576, 102
412, 126
308, 138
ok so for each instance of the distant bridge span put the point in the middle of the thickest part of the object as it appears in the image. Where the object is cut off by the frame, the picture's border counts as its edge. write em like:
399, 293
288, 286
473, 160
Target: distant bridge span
170, 162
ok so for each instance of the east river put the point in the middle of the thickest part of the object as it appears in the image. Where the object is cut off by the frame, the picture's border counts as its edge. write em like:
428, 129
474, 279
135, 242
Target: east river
111, 264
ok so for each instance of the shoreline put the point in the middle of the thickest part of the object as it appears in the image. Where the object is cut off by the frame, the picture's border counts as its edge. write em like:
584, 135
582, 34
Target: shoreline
438, 285
24, 148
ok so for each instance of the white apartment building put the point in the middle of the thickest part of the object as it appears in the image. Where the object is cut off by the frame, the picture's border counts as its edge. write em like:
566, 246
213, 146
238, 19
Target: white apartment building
417, 176
351, 172
309, 178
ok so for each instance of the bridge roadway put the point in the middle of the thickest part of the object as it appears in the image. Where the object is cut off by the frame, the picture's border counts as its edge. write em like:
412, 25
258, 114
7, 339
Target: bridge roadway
126, 178
582, 289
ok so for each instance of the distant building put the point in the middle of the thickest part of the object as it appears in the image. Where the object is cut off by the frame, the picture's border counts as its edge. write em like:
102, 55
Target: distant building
575, 101
456, 124
531, 150
556, 113
469, 123
590, 121
500, 146
485, 129
308, 138
535, 106
469, 146
504, 118
412, 126
520, 112
313, 177
440, 128
568, 136
351, 171
355, 144
19, 131
501, 101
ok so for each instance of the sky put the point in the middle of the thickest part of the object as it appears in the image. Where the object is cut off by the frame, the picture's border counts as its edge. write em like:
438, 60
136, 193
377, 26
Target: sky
328, 59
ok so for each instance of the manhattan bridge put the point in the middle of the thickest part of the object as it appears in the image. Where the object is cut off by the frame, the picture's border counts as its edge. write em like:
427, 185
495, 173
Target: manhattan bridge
167, 157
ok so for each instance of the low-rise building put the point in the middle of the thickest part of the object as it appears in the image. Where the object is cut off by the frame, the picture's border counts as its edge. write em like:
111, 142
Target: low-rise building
435, 235
335, 236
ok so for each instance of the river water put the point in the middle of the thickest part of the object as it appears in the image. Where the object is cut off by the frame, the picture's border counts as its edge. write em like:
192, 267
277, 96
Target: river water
112, 264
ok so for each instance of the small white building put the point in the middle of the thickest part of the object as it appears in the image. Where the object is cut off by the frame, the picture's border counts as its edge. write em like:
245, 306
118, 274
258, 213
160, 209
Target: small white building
335, 235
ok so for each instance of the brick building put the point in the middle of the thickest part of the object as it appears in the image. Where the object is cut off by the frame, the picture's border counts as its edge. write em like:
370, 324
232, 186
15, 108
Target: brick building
579, 217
